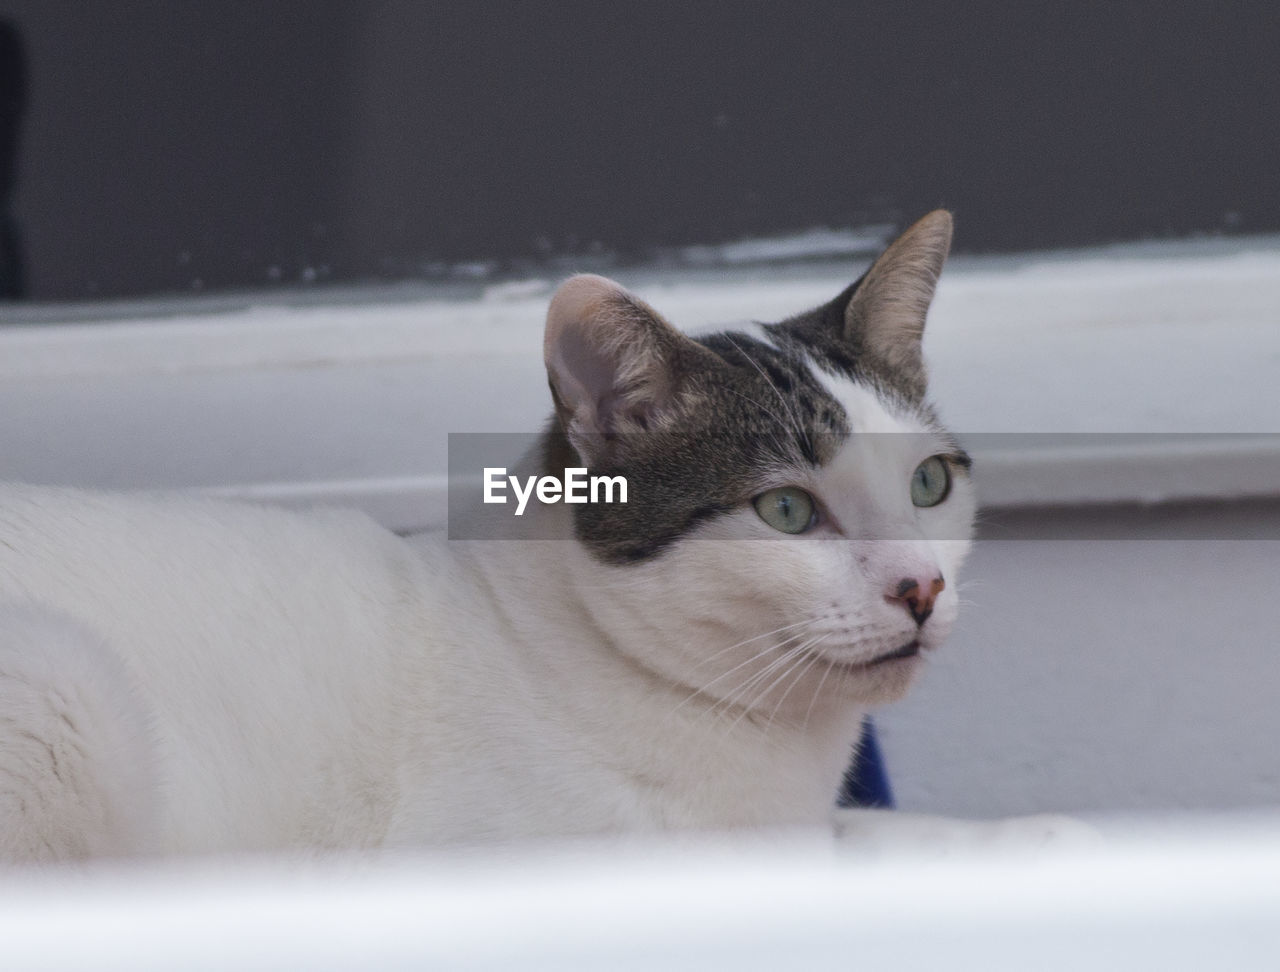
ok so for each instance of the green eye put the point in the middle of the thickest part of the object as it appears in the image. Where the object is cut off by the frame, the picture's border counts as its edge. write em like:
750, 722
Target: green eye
931, 482
787, 509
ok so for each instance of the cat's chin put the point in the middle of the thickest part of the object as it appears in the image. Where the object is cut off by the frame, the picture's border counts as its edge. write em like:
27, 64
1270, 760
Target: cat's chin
879, 679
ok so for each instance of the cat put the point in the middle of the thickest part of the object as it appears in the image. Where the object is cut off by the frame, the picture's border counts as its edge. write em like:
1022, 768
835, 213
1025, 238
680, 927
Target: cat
181, 674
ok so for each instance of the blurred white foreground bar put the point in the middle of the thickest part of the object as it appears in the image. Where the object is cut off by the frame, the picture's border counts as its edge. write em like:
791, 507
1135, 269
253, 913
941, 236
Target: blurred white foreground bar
1184, 900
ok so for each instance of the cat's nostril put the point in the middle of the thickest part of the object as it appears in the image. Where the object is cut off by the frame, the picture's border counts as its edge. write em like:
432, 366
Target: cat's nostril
918, 605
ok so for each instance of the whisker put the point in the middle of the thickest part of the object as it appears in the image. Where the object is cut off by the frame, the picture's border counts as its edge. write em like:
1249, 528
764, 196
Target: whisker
730, 700
792, 658
816, 692
702, 689
786, 404
814, 658
747, 641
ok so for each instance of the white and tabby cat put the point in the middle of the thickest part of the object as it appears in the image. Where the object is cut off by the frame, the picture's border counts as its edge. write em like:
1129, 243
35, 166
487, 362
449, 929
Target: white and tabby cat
187, 675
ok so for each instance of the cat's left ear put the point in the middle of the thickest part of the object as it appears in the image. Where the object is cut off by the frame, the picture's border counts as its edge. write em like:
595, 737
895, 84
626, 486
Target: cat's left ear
614, 365
885, 315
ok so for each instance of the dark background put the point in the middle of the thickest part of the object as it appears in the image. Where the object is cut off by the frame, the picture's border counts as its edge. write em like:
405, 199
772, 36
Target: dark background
177, 146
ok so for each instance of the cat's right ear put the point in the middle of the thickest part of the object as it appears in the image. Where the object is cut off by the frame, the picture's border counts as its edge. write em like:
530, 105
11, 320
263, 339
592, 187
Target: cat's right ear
614, 365
885, 316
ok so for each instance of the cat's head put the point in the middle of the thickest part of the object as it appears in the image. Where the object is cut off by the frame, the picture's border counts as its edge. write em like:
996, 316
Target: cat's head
796, 513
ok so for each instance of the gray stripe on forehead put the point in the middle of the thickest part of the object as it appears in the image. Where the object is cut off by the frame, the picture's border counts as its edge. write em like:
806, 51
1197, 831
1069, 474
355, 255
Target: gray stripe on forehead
822, 336
779, 394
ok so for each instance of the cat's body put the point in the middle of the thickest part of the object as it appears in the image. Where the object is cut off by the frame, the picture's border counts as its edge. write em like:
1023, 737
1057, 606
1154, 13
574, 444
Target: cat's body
185, 675
387, 704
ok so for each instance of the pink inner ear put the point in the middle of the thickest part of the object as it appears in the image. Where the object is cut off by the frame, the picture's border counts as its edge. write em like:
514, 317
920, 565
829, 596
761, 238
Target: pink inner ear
609, 356
582, 374
586, 382
583, 322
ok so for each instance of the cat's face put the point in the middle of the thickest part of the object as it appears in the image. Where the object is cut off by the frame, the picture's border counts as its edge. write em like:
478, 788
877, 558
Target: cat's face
796, 516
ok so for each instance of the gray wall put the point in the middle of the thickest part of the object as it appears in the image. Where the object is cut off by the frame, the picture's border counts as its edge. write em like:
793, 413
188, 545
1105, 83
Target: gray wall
205, 145
1103, 675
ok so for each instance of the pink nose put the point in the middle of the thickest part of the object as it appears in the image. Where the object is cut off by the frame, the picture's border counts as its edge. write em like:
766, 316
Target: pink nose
910, 593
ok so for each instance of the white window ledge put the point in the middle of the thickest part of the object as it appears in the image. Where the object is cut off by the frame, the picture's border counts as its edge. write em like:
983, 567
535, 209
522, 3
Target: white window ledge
349, 401
1194, 900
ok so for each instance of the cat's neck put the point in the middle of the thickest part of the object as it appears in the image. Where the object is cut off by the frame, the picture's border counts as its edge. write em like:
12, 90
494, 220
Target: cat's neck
578, 633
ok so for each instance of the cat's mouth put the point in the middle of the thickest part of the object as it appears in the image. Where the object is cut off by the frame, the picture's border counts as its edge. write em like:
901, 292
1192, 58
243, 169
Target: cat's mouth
910, 650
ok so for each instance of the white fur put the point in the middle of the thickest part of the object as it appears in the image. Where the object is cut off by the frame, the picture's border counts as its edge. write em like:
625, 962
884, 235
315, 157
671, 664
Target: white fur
211, 676
78, 759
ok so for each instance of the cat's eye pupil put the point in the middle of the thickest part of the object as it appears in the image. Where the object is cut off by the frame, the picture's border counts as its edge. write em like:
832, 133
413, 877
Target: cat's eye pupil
788, 509
931, 482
